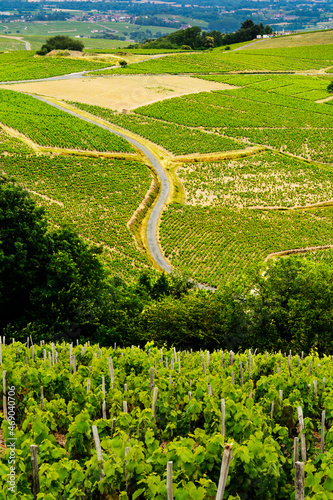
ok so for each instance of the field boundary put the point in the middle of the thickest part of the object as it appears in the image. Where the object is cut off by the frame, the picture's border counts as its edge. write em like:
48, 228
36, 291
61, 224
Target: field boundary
297, 250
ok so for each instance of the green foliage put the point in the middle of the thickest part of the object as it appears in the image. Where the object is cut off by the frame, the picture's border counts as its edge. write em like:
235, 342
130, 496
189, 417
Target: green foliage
248, 31
262, 180
186, 430
60, 42
295, 300
330, 87
175, 138
288, 59
44, 276
48, 126
23, 65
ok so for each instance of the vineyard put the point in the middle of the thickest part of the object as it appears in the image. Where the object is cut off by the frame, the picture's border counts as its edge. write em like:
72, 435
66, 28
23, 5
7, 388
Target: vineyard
106, 421
49, 126
286, 123
23, 65
178, 139
215, 243
287, 59
266, 180
304, 87
97, 196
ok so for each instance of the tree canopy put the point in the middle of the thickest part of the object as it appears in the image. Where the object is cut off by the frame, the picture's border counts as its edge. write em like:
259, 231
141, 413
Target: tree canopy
194, 38
60, 42
46, 277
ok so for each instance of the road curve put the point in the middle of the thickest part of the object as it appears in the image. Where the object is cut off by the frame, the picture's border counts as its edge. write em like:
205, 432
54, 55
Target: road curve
165, 186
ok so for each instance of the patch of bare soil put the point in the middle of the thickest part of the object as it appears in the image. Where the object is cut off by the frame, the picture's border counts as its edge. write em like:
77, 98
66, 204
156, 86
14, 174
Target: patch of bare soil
121, 91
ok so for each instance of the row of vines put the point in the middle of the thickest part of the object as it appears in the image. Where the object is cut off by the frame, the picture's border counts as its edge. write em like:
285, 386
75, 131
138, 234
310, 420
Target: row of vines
62, 390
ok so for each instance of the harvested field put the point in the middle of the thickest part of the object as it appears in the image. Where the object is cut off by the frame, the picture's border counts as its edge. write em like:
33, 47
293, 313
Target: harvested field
120, 92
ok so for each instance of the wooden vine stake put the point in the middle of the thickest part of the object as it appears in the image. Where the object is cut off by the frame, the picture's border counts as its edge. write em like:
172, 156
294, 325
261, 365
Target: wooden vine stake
299, 481
296, 451
111, 372
223, 417
227, 456
241, 373
34, 464
322, 432
98, 451
301, 427
169, 481
127, 449
153, 406
151, 379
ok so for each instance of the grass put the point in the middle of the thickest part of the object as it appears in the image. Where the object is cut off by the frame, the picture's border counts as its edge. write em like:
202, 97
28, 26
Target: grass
322, 37
8, 44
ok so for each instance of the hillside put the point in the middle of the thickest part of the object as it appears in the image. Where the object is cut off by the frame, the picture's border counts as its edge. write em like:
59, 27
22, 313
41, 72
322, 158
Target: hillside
122, 382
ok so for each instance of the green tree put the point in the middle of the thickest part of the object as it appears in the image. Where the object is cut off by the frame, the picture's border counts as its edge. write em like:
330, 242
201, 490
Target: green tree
60, 42
292, 306
50, 279
330, 87
209, 42
24, 251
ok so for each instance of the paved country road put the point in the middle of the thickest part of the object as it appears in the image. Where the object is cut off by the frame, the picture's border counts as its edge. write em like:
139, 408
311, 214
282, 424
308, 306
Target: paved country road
165, 187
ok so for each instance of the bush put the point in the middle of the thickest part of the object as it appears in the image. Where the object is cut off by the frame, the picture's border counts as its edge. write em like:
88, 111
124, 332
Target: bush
227, 47
330, 87
123, 63
60, 43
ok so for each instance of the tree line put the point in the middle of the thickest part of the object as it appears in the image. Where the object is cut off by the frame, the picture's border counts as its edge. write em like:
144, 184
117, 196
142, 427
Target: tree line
194, 38
54, 286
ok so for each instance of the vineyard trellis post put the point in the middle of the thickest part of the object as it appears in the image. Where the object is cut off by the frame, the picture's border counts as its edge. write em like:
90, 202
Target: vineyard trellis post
299, 481
98, 451
35, 475
169, 481
227, 456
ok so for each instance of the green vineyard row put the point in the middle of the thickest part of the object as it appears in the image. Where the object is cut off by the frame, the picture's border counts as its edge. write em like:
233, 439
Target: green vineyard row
113, 389
49, 126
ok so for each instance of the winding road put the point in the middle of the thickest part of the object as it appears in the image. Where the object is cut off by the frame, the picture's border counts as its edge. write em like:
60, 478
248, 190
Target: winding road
165, 186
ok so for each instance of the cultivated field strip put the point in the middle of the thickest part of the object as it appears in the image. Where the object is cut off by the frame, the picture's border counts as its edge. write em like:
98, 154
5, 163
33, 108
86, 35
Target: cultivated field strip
213, 244
95, 196
176, 139
53, 127
267, 179
310, 58
23, 65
